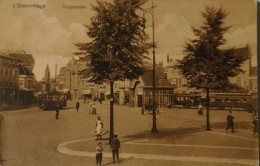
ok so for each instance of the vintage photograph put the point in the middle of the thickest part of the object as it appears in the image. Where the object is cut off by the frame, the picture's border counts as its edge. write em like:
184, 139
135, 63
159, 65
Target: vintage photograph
128, 83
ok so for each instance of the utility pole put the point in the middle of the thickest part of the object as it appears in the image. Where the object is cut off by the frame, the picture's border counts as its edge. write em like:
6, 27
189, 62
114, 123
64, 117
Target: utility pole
55, 77
154, 128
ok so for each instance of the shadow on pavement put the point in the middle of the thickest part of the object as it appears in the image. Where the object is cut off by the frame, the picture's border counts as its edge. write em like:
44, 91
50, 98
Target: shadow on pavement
175, 133
237, 125
66, 108
120, 160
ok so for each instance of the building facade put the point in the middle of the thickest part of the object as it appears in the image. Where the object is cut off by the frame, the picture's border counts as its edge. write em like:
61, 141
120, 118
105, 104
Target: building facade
26, 77
9, 87
246, 80
141, 90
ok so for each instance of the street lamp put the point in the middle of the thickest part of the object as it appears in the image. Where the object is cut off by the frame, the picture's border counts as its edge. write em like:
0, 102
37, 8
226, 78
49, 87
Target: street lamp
151, 10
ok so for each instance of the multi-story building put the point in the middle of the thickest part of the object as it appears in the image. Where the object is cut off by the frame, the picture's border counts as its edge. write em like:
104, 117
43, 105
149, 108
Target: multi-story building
26, 76
69, 79
26, 85
9, 69
246, 80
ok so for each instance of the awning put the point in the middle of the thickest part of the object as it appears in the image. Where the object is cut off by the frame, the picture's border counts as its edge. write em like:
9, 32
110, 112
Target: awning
86, 92
65, 90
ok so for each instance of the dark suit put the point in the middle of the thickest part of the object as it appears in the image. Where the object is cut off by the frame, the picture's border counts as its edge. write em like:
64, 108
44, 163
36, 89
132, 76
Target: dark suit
115, 145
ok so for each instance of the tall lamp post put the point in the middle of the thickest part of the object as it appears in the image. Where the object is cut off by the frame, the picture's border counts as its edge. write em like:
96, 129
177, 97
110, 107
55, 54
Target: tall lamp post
154, 128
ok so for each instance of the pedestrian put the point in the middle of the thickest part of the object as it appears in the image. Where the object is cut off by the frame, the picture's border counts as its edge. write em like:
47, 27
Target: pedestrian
94, 110
57, 111
99, 150
90, 109
200, 112
99, 128
115, 145
100, 101
77, 106
230, 121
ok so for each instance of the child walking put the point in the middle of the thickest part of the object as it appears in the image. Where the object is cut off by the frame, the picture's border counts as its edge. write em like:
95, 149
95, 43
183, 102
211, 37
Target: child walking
99, 150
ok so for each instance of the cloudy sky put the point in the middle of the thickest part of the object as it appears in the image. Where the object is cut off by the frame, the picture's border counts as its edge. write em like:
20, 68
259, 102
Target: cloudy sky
50, 33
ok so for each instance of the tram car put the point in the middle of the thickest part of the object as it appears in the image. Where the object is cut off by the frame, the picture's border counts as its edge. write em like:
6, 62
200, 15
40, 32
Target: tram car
242, 101
232, 100
186, 100
52, 100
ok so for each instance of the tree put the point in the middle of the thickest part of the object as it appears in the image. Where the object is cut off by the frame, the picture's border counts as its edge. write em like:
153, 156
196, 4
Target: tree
206, 65
118, 47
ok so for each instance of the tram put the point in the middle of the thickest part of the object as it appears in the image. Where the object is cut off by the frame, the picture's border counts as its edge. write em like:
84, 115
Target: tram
242, 101
52, 100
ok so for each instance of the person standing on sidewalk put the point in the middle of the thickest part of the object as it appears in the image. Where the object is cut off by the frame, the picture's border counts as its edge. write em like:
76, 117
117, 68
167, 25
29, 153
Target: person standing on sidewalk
99, 128
99, 150
57, 111
230, 121
115, 145
77, 106
200, 112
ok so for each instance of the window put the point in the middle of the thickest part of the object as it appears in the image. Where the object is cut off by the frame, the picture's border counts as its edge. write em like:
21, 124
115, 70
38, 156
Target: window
238, 80
21, 83
184, 82
173, 81
30, 84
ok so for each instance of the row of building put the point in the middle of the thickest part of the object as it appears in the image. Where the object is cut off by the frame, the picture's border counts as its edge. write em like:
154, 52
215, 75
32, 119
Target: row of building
16, 78
137, 92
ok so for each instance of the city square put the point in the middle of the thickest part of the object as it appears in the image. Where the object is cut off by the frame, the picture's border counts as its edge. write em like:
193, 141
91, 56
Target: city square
129, 82
43, 140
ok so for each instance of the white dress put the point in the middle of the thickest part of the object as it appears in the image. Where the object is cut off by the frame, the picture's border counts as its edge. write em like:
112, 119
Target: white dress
99, 127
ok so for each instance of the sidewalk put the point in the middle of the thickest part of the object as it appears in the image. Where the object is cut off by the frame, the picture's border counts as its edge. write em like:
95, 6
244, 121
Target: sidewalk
18, 107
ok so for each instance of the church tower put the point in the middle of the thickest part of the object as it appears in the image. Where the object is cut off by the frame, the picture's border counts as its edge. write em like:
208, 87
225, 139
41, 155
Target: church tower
46, 80
47, 74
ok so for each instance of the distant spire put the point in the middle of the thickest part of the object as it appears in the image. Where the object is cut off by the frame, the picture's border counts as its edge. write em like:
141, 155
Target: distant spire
47, 74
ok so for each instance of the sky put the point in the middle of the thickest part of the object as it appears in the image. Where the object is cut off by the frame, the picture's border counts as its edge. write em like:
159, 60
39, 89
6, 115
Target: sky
50, 33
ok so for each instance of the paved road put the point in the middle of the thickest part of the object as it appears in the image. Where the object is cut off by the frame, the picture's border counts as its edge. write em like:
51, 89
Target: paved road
31, 137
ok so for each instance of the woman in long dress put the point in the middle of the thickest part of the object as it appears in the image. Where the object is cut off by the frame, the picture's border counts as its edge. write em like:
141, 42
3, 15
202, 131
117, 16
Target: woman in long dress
99, 128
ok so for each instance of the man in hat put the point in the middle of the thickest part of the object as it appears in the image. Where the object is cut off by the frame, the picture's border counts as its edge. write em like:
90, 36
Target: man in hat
115, 145
230, 122
77, 106
99, 150
57, 111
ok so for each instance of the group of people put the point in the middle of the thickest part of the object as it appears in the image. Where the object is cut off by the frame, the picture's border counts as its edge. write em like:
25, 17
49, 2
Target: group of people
114, 143
92, 108
114, 146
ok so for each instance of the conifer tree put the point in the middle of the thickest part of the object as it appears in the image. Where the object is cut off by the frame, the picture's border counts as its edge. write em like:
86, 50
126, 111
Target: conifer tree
206, 65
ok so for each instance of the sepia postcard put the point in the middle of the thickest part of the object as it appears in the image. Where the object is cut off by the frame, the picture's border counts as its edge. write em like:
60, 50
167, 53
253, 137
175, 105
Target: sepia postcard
129, 82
